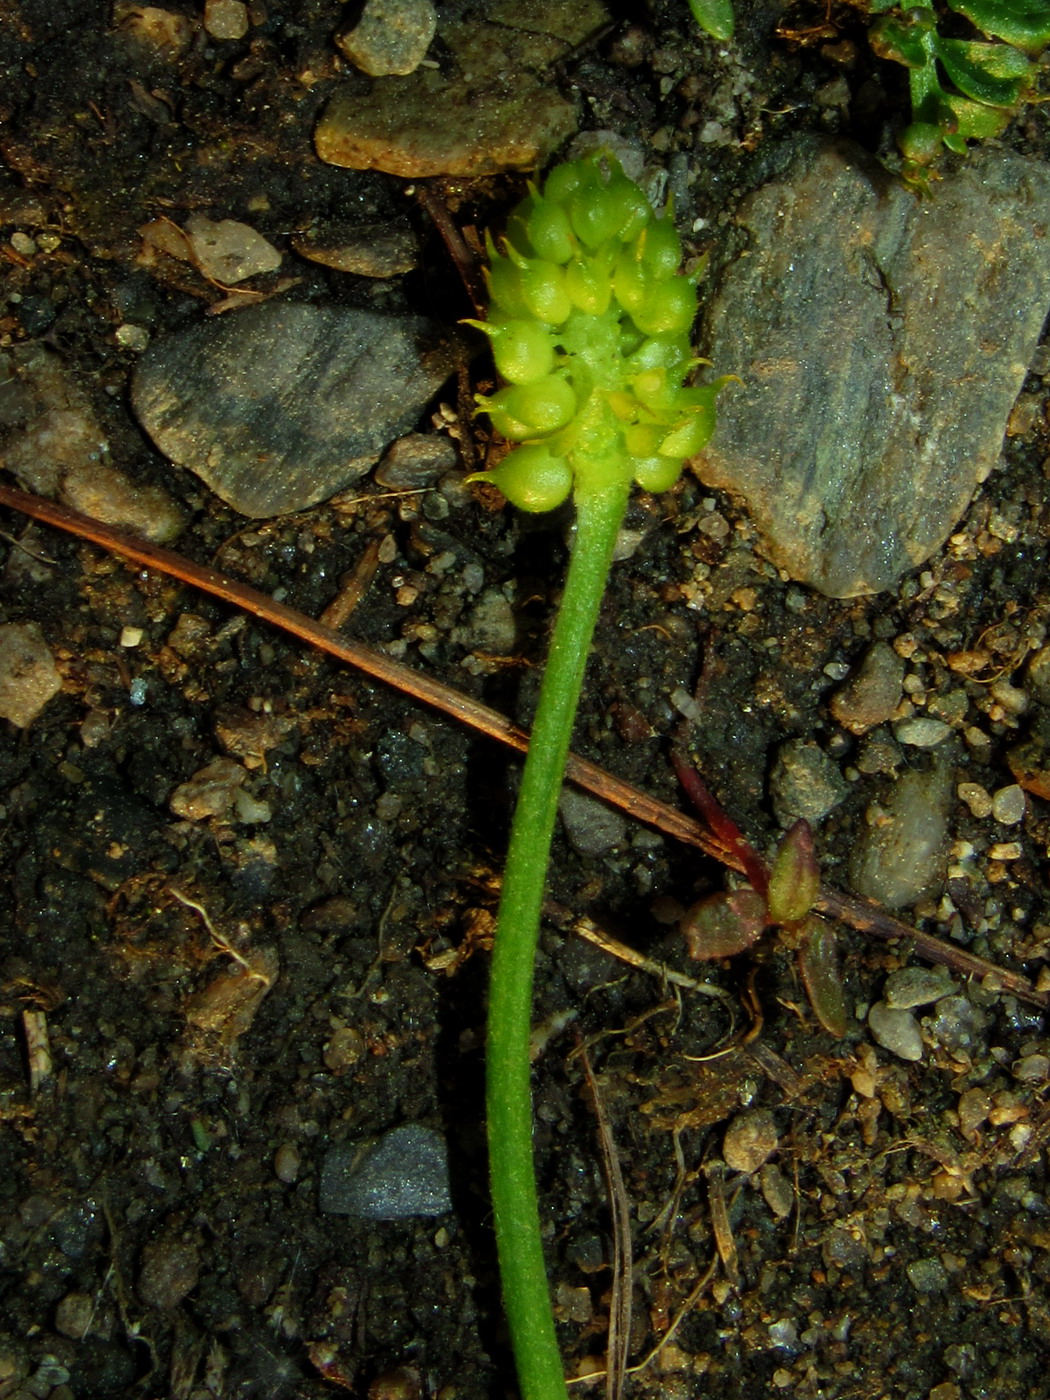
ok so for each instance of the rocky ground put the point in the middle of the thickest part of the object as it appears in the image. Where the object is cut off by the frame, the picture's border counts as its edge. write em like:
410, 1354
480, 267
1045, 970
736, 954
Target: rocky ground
247, 894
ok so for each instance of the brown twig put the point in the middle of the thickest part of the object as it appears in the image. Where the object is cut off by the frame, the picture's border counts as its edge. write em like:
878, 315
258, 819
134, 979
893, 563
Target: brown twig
621, 1292
859, 913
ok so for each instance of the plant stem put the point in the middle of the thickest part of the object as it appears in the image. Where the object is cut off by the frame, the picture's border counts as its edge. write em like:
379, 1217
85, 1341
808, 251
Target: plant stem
509, 1099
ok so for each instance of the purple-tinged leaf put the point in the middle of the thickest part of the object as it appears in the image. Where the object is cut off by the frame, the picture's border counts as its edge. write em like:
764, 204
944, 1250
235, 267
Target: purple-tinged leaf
818, 961
794, 881
720, 823
724, 924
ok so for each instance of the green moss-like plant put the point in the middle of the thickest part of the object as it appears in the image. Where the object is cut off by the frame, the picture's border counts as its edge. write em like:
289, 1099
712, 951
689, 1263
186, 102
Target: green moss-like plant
589, 322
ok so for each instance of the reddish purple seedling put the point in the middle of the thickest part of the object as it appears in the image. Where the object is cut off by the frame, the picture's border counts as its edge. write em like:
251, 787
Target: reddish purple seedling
724, 924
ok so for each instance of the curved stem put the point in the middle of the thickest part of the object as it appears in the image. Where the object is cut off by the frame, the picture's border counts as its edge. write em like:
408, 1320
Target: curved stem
508, 1091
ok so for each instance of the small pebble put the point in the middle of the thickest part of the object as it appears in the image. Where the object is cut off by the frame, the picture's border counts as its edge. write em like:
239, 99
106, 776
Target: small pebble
927, 1275
957, 1024
228, 251
345, 1049
874, 693
896, 1031
404, 1173
749, 1140
211, 792
900, 856
977, 798
776, 1190
1032, 1069
414, 461
805, 782
28, 675
1008, 804
226, 19
367, 250
286, 1163
593, 828
917, 986
391, 37
170, 1269
74, 1314
921, 732
1005, 850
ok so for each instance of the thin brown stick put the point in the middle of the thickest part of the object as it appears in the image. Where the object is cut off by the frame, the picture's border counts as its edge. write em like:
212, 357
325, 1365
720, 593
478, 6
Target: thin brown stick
621, 1292
860, 914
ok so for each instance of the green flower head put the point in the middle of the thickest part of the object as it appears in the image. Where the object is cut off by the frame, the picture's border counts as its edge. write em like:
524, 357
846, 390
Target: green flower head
589, 321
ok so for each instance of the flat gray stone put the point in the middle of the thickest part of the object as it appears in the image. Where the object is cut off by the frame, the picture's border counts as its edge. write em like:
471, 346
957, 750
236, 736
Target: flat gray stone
402, 1174
492, 106
392, 36
284, 404
901, 853
52, 441
882, 339
29, 677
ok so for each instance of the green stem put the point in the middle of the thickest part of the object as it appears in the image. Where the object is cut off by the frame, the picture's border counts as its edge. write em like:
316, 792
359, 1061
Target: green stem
509, 1100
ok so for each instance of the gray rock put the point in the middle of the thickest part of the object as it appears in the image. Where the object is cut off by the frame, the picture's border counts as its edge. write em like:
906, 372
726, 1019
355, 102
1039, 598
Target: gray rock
921, 731
392, 36
52, 441
491, 107
882, 340
280, 406
415, 461
956, 1024
896, 1030
901, 854
873, 694
403, 1173
228, 251
593, 828
805, 782
28, 675
917, 986
927, 1275
367, 250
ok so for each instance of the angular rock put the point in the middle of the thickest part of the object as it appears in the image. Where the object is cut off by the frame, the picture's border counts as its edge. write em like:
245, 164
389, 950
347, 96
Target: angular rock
29, 677
882, 339
228, 251
392, 36
280, 406
52, 441
495, 108
367, 250
896, 1030
872, 695
901, 855
402, 1174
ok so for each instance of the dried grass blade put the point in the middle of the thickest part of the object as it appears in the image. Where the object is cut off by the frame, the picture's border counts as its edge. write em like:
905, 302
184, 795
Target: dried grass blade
623, 1257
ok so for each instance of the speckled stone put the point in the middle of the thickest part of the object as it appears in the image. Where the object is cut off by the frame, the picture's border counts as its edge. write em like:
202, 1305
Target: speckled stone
404, 1173
392, 36
896, 1030
491, 107
901, 853
882, 339
29, 677
284, 404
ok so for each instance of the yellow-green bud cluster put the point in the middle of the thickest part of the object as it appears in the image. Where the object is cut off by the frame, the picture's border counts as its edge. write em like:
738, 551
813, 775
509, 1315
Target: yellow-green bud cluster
589, 322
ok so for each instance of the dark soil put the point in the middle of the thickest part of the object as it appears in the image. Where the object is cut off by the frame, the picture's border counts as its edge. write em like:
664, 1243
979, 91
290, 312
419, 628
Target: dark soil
159, 1225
